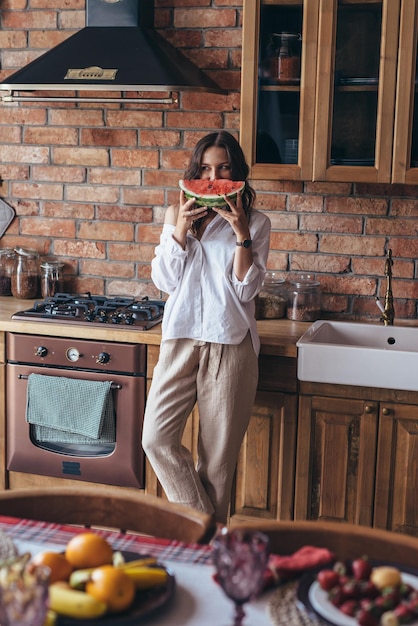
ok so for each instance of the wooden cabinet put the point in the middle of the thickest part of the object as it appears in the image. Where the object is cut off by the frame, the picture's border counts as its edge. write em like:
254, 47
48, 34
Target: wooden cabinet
336, 456
350, 113
264, 483
396, 506
357, 457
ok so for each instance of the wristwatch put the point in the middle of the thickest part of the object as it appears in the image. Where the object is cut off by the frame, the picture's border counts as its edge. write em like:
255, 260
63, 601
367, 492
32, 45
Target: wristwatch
245, 244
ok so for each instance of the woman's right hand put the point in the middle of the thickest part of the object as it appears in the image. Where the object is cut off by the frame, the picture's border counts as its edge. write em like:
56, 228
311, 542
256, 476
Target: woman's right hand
187, 214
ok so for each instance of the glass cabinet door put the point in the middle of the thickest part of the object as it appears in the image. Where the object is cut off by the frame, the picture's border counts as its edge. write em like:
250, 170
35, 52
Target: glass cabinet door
355, 97
278, 87
405, 152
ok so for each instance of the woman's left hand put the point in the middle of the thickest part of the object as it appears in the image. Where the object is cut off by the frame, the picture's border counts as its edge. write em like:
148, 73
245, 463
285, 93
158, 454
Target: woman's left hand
236, 217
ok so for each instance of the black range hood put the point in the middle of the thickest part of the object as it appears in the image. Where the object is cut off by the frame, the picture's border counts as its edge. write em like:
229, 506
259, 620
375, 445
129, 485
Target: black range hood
118, 51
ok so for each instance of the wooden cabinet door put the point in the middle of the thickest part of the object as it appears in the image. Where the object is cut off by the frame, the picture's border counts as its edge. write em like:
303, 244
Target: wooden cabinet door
355, 95
396, 499
264, 482
335, 460
276, 114
405, 149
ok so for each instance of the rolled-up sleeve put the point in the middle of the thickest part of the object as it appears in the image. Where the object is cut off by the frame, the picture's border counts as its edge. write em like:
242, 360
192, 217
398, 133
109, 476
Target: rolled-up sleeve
167, 266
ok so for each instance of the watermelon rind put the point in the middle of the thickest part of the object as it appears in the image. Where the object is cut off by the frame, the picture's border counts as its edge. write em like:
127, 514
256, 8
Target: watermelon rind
209, 200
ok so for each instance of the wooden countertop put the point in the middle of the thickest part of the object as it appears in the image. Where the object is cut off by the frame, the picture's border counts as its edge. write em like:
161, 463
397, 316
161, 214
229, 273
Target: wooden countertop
278, 337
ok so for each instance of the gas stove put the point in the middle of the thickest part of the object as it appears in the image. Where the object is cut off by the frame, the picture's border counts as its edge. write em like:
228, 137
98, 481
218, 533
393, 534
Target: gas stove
95, 310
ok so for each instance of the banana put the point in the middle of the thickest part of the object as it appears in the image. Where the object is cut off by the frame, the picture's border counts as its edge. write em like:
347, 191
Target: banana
51, 618
80, 577
138, 563
147, 577
74, 603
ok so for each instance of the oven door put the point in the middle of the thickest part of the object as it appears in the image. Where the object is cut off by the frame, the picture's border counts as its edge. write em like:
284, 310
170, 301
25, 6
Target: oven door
120, 463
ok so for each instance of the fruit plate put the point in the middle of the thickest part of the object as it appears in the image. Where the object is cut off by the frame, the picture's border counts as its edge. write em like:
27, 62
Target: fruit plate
315, 600
145, 603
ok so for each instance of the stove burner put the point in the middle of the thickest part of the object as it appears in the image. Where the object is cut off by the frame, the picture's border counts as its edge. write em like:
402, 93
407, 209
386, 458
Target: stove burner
85, 308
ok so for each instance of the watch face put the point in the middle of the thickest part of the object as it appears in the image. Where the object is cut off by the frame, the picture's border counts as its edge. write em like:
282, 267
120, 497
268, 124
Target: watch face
247, 243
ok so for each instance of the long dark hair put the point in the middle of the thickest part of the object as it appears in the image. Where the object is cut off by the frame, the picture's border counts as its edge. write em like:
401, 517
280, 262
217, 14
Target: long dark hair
236, 158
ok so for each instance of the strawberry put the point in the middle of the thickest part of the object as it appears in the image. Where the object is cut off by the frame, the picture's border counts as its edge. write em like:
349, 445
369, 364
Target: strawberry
361, 569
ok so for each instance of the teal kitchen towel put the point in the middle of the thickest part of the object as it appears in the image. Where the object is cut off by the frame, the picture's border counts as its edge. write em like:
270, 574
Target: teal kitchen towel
81, 408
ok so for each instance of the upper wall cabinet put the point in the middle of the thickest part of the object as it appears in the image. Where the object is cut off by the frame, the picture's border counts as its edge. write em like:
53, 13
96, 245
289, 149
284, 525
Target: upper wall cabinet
329, 90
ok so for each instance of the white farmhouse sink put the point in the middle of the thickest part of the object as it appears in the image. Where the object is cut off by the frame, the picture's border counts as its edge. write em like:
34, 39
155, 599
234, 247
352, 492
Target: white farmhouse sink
368, 355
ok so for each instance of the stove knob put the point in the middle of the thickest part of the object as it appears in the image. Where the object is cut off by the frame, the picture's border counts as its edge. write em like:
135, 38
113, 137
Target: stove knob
103, 357
41, 351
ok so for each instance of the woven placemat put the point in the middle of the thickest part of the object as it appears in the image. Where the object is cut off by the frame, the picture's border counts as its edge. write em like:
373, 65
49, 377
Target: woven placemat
284, 610
8, 549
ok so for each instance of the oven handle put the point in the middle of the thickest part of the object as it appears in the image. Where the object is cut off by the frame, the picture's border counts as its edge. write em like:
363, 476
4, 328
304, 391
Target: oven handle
112, 386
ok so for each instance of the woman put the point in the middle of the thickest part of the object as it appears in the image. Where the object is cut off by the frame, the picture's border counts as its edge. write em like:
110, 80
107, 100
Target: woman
211, 262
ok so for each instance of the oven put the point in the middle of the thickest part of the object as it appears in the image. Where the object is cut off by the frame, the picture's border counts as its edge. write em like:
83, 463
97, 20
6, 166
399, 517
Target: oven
115, 457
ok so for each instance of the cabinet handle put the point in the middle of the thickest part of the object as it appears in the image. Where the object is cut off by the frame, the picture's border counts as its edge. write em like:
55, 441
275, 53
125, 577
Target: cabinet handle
386, 411
368, 408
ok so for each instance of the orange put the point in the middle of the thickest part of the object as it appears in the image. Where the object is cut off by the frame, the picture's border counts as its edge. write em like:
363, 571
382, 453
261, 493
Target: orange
112, 586
88, 550
57, 563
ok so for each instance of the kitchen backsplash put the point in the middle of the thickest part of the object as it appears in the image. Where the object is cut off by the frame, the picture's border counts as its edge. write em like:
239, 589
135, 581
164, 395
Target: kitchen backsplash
90, 182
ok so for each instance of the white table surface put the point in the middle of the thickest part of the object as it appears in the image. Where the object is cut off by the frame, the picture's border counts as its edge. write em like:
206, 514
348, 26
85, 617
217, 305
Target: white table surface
198, 600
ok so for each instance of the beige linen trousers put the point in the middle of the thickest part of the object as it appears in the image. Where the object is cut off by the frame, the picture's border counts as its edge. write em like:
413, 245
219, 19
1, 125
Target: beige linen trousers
222, 379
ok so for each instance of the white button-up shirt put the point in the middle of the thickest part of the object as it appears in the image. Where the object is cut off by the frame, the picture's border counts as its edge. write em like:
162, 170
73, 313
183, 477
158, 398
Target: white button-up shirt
206, 300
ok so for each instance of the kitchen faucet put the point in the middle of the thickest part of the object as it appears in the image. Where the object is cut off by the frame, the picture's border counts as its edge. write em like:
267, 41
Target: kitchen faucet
388, 312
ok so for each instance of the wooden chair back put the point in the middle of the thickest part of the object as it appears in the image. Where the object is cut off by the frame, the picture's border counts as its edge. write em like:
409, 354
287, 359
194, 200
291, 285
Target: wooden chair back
109, 508
346, 541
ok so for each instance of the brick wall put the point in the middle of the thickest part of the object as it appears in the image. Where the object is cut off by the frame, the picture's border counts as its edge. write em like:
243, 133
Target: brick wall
89, 182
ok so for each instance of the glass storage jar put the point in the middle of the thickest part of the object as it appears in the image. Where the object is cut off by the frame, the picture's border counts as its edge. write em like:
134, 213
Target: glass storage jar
304, 299
7, 259
25, 274
52, 281
272, 299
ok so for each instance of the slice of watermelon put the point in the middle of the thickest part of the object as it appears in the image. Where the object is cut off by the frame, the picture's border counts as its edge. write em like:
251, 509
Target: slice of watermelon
211, 193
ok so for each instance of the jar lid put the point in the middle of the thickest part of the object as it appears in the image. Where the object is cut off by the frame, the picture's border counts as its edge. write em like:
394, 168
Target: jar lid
306, 280
52, 264
272, 278
27, 252
7, 252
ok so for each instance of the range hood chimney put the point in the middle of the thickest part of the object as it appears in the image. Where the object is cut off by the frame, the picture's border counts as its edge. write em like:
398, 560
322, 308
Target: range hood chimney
118, 50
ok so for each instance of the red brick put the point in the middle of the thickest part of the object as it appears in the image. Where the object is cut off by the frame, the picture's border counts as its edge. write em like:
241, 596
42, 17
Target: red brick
68, 210
58, 174
184, 119
106, 231
391, 227
10, 134
363, 206
48, 135
362, 246
85, 193
46, 39
99, 175
76, 117
44, 227
135, 158
305, 202
197, 18
283, 221
80, 249
293, 241
143, 196
80, 156
149, 233
26, 20
159, 137
42, 191
107, 137
24, 154
324, 263
404, 207
107, 269
12, 39
327, 224
135, 215
134, 119
223, 38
